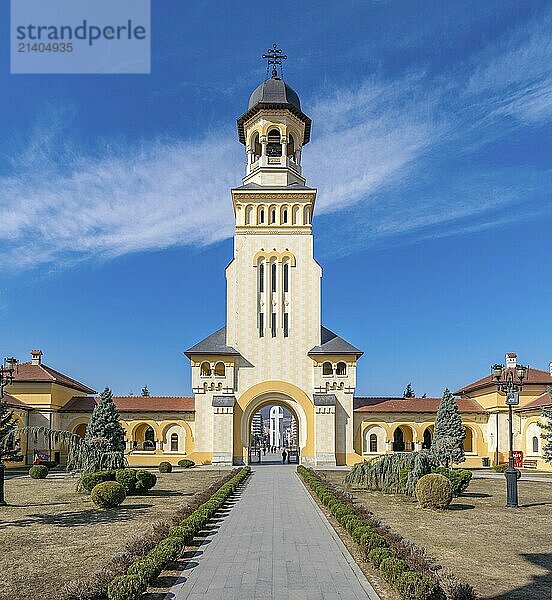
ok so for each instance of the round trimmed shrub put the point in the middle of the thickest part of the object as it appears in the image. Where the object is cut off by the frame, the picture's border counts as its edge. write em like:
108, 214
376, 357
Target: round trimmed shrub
392, 568
89, 481
376, 555
126, 587
165, 467
38, 472
108, 494
434, 491
127, 478
186, 463
415, 586
144, 481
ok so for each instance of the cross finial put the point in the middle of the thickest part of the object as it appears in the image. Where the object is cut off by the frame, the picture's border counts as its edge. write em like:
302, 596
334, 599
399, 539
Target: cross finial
274, 57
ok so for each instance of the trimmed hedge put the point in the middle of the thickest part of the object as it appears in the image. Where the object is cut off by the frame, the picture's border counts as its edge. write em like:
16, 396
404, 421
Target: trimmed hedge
459, 478
145, 481
502, 469
127, 478
38, 472
142, 572
89, 481
187, 464
108, 494
135, 481
165, 467
410, 583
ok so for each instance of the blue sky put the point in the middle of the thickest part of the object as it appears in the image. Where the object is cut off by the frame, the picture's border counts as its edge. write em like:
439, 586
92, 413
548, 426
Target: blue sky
431, 149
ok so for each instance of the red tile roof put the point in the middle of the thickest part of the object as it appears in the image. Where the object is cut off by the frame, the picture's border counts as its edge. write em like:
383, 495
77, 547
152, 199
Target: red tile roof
534, 376
537, 404
27, 372
13, 402
412, 405
134, 404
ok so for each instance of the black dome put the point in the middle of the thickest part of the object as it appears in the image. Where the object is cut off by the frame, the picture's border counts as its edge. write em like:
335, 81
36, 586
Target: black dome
274, 91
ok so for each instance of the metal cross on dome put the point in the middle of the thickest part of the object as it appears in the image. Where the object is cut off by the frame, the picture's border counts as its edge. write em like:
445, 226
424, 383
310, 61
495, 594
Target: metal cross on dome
274, 57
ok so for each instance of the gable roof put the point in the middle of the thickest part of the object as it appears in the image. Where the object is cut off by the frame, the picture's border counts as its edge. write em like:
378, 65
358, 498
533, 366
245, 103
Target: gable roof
213, 344
411, 405
124, 404
533, 376
14, 402
28, 373
537, 404
331, 343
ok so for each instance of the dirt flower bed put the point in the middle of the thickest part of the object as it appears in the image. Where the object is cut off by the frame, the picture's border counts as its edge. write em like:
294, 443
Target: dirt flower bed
50, 534
505, 554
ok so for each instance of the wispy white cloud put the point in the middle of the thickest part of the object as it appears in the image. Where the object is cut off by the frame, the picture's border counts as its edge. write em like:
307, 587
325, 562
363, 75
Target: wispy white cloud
377, 151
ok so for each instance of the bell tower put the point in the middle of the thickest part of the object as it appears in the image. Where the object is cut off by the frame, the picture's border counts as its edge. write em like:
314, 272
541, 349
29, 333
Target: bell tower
274, 130
273, 283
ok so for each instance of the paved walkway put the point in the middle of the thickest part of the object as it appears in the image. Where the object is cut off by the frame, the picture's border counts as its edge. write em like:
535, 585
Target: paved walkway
274, 544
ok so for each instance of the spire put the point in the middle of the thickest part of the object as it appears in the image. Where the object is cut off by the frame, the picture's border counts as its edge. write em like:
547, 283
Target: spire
275, 57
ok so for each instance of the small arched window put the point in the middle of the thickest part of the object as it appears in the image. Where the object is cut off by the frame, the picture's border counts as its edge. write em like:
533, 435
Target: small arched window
373, 442
273, 215
285, 216
261, 216
286, 277
205, 369
174, 442
535, 444
307, 215
296, 215
248, 215
220, 370
327, 368
341, 369
274, 146
273, 276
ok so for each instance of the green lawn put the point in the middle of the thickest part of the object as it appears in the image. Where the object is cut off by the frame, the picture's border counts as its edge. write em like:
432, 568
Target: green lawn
506, 554
50, 534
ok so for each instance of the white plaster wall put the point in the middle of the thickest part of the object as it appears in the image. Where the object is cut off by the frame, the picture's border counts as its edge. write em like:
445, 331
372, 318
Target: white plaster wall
274, 358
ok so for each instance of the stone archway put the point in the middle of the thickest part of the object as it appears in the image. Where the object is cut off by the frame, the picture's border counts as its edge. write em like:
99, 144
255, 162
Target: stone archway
269, 393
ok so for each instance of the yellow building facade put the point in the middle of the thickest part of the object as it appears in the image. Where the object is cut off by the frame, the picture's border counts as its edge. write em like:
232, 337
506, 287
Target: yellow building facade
274, 349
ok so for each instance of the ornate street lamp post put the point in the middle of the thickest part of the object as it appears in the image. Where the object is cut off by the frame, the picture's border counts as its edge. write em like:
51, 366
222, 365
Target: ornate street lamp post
509, 381
6, 377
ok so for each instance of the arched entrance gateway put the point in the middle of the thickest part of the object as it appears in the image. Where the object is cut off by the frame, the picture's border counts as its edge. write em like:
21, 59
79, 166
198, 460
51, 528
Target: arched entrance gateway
292, 399
273, 428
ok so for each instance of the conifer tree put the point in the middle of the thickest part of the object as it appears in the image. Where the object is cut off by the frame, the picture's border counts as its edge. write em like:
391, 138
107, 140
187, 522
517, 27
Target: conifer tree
409, 392
104, 431
546, 434
448, 438
10, 449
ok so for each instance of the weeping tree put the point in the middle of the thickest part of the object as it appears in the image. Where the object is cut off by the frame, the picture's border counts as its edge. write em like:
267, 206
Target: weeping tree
448, 438
546, 433
384, 472
102, 447
399, 472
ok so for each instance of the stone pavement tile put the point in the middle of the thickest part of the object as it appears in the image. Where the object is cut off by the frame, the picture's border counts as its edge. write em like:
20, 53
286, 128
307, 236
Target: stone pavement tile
274, 544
